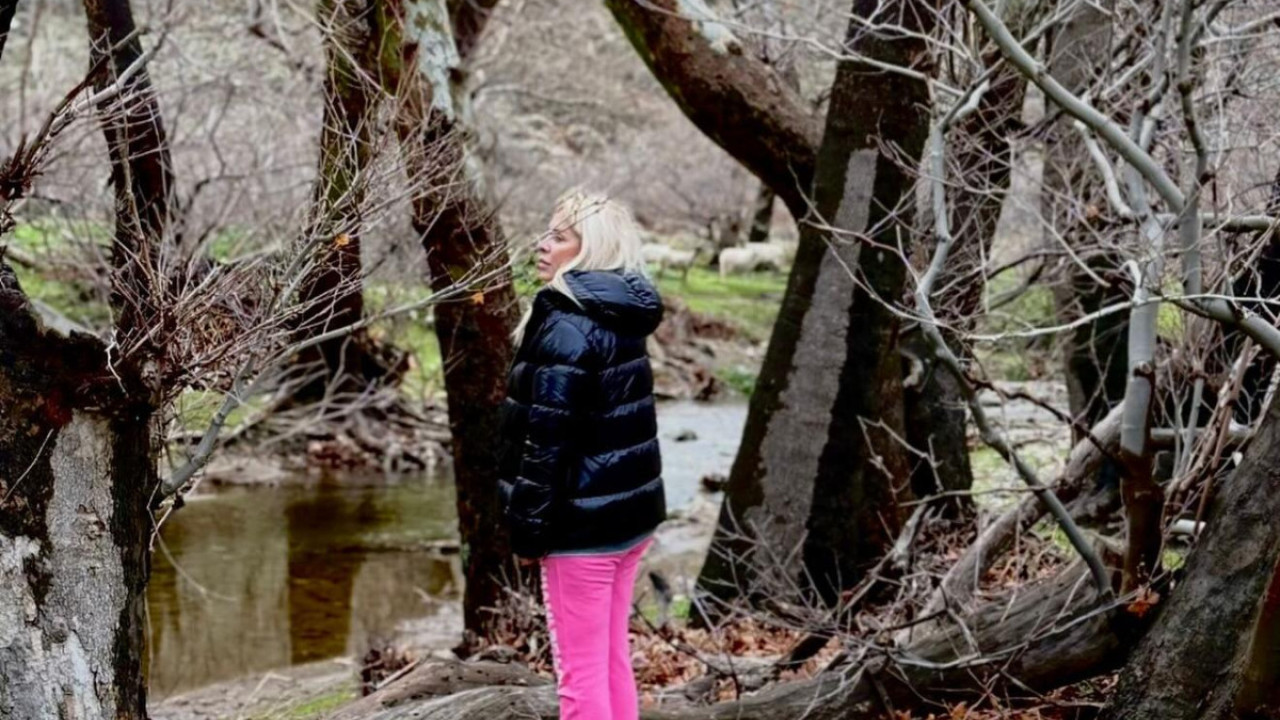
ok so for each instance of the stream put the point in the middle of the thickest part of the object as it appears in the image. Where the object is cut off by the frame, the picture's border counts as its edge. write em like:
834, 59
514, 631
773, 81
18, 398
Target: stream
251, 578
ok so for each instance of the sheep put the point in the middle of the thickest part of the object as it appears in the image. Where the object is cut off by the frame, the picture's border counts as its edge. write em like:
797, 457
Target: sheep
734, 260
737, 260
654, 253
666, 257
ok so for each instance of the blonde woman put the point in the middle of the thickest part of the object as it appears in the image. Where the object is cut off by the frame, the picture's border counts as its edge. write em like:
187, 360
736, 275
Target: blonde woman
582, 475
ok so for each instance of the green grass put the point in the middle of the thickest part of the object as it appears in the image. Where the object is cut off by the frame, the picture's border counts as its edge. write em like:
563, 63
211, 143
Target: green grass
194, 409
72, 299
748, 302
1016, 359
321, 706
412, 332
69, 297
679, 610
313, 708
742, 380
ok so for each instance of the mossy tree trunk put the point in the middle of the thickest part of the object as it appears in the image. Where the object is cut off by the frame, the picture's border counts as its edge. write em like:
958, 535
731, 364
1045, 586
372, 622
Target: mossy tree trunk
465, 250
332, 292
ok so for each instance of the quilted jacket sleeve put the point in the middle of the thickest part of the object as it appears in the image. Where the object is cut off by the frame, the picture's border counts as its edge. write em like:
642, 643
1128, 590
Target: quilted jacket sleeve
560, 385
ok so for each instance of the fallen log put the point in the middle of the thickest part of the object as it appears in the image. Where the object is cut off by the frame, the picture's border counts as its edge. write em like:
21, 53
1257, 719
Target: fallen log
961, 581
469, 690
1050, 635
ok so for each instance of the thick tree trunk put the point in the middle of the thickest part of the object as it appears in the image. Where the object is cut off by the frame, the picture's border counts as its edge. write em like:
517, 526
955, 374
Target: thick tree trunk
464, 244
141, 175
1192, 664
722, 93
331, 294
76, 476
76, 457
828, 400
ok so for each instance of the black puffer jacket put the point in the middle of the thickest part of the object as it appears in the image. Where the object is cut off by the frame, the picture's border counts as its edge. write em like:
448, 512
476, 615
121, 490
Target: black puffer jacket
581, 467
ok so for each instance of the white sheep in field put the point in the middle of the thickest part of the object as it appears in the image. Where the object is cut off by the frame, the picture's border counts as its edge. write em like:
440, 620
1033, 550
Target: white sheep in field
667, 257
654, 253
734, 260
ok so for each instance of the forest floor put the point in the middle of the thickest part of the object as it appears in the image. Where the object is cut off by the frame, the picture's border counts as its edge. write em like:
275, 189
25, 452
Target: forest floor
668, 656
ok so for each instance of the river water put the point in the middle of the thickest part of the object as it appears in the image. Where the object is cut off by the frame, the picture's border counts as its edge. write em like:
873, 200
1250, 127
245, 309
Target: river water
248, 579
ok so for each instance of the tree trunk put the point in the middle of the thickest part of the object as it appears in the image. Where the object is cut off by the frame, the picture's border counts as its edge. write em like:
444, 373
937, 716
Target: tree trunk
1193, 662
76, 457
762, 215
76, 475
332, 291
465, 249
1259, 695
141, 175
828, 400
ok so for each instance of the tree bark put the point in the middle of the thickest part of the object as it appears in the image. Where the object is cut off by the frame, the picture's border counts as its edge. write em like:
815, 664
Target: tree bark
463, 242
469, 20
76, 474
762, 215
1192, 663
332, 292
1259, 695
741, 103
76, 459
828, 400
141, 175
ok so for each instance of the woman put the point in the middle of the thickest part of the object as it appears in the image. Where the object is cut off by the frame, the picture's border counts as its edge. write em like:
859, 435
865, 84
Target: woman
582, 475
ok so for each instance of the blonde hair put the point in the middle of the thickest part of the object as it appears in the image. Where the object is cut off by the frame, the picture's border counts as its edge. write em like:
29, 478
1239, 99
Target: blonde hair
609, 235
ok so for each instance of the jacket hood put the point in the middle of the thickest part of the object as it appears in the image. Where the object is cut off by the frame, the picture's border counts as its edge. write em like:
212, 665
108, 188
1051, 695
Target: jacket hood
623, 302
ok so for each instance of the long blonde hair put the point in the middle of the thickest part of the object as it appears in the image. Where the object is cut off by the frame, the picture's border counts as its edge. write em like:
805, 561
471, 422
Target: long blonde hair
609, 235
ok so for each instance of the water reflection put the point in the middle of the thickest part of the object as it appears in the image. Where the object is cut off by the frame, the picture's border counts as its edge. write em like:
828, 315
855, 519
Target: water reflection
251, 579
258, 578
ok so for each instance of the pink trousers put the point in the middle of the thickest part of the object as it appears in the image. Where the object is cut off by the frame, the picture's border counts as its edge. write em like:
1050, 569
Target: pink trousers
588, 600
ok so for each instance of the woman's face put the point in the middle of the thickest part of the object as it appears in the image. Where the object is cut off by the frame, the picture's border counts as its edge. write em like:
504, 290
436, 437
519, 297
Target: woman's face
558, 246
